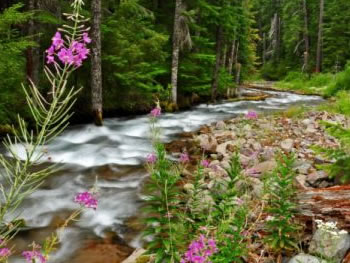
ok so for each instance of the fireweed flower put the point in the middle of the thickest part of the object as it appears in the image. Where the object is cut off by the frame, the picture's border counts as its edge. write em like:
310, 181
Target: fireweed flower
156, 112
205, 163
74, 55
184, 158
251, 115
86, 199
5, 252
200, 250
151, 158
33, 256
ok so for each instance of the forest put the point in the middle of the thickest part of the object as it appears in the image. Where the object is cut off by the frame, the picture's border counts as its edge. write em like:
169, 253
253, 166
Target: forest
202, 131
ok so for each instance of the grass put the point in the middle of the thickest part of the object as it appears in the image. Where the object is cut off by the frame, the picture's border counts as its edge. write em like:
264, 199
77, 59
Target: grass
316, 84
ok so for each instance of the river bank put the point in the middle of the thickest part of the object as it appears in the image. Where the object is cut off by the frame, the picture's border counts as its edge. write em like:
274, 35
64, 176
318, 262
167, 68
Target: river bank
259, 142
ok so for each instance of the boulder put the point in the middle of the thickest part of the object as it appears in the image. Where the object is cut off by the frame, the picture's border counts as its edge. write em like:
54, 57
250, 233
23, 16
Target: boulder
305, 258
315, 178
331, 244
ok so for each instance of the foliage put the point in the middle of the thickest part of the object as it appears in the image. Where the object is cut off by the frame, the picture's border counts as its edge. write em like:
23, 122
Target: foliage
340, 168
18, 177
162, 204
12, 45
341, 83
281, 207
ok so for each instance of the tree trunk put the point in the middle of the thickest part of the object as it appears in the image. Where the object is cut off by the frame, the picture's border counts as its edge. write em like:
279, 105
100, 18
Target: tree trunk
219, 44
96, 70
306, 38
264, 49
32, 53
231, 57
320, 39
176, 51
329, 204
238, 79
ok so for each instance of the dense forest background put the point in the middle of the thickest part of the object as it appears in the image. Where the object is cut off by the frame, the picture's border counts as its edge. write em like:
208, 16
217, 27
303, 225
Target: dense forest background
177, 51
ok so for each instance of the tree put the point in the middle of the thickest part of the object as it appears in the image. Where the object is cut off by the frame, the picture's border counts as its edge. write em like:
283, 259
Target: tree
319, 39
32, 53
96, 70
306, 37
181, 37
176, 51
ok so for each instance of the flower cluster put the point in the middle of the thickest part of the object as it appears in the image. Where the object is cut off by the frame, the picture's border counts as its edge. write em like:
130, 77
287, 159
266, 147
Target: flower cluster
251, 115
74, 54
156, 112
200, 250
330, 227
86, 199
4, 252
151, 158
184, 158
32, 256
205, 163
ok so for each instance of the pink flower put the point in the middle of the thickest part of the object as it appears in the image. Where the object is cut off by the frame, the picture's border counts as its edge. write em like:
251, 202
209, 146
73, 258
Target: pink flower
31, 256
205, 163
57, 41
66, 56
50, 59
184, 158
151, 158
5, 252
156, 112
86, 38
200, 250
86, 199
251, 115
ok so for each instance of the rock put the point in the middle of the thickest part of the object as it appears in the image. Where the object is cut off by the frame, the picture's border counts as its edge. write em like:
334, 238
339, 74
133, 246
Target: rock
189, 188
265, 167
302, 167
287, 144
220, 125
301, 181
207, 142
305, 258
217, 171
135, 256
316, 177
221, 148
256, 146
268, 154
306, 122
329, 245
311, 128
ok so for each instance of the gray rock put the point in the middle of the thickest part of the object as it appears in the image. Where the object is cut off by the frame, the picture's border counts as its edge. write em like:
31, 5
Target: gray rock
311, 128
265, 167
287, 144
220, 125
305, 258
317, 177
302, 167
329, 245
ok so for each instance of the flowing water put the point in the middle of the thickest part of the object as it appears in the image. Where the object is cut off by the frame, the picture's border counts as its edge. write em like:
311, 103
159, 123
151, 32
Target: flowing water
114, 154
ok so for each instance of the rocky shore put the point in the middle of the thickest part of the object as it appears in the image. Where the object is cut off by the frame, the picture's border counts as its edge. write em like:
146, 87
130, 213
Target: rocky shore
257, 141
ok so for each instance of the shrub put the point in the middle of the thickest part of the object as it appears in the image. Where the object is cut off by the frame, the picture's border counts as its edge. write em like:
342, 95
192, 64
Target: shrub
342, 82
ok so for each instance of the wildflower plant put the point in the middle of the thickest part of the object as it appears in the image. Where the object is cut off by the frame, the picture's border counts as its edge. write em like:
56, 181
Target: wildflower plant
280, 192
162, 200
51, 113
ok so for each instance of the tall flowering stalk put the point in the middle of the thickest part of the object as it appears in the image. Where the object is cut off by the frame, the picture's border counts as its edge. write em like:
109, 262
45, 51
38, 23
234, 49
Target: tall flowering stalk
51, 113
162, 199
